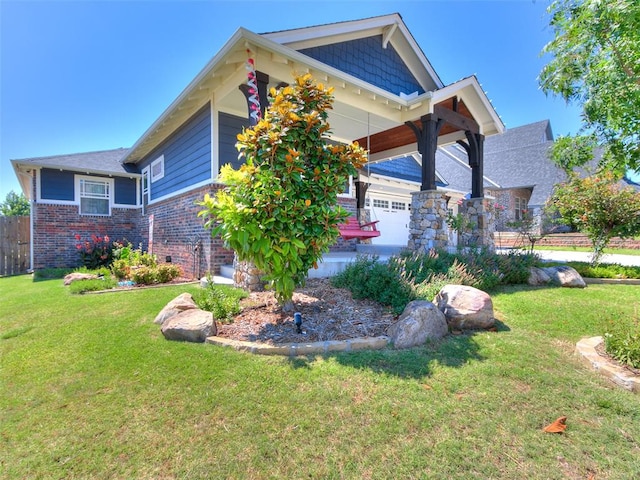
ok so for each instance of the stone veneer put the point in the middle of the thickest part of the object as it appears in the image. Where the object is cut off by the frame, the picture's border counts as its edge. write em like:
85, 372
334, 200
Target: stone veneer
428, 228
481, 215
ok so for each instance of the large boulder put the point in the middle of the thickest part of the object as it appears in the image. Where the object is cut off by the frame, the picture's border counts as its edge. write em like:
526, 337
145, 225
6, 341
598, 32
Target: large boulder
190, 326
537, 276
420, 321
563, 276
179, 304
465, 308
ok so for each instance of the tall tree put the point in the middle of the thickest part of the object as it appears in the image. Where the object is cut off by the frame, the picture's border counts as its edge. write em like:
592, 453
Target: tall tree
14, 205
280, 209
596, 63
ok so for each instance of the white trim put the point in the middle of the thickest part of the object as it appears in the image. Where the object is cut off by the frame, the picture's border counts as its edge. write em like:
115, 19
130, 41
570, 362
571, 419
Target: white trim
159, 172
215, 142
111, 185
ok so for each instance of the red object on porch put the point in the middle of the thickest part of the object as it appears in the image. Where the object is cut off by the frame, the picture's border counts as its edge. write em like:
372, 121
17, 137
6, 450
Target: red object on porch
353, 229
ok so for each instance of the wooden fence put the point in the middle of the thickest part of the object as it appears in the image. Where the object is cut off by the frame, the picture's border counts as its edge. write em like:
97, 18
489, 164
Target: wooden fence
14, 245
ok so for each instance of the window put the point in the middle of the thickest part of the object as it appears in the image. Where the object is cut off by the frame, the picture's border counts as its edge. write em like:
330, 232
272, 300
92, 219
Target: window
377, 203
94, 196
398, 206
157, 168
520, 208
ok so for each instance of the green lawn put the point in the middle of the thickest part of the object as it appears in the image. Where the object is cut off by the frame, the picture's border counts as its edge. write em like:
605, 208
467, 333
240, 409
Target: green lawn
89, 388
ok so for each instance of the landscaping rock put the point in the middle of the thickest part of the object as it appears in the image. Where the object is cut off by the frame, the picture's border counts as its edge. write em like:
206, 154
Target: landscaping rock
420, 321
72, 277
537, 276
465, 308
179, 304
190, 326
565, 276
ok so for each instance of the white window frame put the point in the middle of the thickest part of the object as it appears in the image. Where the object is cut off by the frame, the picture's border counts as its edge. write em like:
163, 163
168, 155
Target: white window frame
108, 182
521, 205
157, 169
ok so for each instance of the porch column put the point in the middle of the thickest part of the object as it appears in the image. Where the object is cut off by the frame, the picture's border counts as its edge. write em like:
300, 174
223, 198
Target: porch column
427, 139
428, 227
482, 223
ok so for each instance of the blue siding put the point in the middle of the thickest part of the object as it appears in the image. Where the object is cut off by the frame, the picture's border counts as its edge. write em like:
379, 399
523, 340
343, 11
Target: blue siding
230, 127
187, 156
367, 60
56, 185
405, 168
125, 191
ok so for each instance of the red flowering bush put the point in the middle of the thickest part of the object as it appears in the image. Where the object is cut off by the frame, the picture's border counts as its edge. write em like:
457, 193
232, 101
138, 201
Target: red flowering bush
94, 252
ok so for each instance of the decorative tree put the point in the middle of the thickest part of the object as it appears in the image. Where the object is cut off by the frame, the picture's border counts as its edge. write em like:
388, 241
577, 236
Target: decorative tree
14, 205
596, 63
280, 210
599, 207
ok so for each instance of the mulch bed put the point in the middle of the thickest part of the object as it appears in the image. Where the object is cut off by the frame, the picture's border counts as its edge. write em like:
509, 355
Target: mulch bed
328, 313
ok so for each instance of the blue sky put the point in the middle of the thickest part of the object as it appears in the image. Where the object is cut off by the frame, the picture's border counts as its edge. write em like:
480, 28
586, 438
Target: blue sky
85, 76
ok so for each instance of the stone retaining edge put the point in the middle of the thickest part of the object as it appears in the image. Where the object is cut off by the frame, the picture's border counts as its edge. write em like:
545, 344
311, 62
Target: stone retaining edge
612, 281
293, 349
586, 349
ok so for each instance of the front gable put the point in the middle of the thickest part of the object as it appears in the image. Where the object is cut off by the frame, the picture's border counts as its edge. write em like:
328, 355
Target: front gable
368, 60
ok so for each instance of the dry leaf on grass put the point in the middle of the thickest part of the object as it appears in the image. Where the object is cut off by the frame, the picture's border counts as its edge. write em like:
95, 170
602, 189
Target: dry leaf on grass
558, 426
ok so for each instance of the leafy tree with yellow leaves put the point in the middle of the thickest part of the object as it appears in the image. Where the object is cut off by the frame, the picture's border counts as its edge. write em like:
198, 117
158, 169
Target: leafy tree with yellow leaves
280, 209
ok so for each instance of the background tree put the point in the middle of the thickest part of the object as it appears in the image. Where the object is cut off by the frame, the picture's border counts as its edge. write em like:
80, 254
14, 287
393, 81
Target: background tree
598, 207
14, 205
596, 63
280, 210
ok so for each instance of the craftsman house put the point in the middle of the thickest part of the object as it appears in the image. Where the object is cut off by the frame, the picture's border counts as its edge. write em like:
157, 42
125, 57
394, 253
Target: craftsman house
388, 97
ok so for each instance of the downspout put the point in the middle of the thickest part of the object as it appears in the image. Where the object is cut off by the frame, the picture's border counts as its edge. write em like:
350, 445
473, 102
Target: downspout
31, 209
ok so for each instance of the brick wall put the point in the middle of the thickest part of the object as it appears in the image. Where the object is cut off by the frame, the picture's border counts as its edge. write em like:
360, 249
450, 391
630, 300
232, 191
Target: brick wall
55, 227
510, 240
177, 231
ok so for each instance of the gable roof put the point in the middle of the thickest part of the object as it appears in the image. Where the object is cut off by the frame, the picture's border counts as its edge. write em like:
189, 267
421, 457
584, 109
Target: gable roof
360, 107
103, 162
390, 30
107, 162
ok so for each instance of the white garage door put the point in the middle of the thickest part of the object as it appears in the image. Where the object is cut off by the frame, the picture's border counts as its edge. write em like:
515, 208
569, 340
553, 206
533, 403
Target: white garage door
393, 216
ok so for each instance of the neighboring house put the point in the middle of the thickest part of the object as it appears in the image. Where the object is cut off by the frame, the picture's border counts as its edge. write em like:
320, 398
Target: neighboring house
386, 95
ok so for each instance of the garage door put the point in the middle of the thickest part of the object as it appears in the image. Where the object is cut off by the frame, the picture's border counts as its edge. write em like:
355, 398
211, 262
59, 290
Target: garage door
393, 216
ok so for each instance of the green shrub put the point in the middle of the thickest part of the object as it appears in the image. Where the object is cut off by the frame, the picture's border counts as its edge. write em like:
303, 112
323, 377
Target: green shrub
368, 278
144, 275
93, 285
121, 269
604, 270
413, 275
223, 301
167, 272
622, 342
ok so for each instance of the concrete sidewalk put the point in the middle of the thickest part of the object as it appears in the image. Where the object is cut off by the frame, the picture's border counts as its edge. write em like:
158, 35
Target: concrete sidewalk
569, 256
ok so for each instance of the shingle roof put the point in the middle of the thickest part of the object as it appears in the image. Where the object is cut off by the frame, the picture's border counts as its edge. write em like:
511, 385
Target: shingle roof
105, 161
516, 158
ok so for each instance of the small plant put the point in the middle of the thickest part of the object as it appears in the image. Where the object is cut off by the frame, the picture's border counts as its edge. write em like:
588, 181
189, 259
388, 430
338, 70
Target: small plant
622, 342
94, 252
93, 285
368, 278
222, 301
